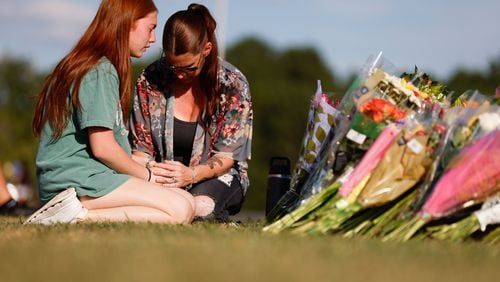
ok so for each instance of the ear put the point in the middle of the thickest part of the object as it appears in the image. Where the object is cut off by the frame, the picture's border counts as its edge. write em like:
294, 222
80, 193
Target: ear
207, 49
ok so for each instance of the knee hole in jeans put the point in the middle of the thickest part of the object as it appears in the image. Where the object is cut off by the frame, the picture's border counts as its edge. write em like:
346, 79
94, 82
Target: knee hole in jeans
204, 205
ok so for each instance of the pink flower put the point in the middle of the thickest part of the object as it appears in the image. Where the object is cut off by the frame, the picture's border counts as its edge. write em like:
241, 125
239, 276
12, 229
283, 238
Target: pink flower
474, 175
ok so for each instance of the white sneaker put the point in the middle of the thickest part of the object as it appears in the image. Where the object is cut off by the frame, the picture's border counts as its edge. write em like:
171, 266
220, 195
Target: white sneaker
63, 208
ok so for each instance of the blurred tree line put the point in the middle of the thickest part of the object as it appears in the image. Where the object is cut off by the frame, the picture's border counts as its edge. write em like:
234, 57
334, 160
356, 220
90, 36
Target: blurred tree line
282, 83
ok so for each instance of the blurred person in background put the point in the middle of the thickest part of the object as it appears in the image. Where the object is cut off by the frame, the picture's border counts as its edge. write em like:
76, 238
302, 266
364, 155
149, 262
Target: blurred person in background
192, 117
8, 204
18, 180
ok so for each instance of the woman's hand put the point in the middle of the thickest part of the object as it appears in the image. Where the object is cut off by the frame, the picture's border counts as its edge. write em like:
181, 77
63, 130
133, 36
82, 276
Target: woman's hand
156, 173
173, 174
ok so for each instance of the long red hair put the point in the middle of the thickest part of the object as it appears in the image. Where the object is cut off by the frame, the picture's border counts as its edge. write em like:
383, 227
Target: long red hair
107, 36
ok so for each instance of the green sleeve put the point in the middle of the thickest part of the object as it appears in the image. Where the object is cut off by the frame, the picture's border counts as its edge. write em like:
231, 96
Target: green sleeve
99, 97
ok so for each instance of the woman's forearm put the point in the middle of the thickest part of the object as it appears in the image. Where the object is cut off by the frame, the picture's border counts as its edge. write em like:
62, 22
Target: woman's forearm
141, 157
215, 166
108, 151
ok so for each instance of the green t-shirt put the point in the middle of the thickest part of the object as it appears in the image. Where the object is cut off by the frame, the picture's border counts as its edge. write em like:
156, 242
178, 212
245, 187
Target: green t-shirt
68, 161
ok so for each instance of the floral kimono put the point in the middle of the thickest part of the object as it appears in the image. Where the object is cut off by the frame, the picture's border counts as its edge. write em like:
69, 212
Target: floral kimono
230, 133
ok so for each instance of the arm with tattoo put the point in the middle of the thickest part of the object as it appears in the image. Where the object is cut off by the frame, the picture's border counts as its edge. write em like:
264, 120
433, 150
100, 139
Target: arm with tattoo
215, 166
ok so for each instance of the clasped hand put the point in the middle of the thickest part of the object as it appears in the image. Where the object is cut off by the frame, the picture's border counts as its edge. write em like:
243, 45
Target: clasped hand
172, 174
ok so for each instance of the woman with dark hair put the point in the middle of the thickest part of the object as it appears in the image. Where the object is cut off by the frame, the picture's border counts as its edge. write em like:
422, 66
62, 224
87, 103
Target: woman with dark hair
192, 117
83, 139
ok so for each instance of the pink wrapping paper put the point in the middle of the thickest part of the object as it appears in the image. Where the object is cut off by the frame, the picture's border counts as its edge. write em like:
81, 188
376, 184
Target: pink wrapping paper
371, 159
473, 176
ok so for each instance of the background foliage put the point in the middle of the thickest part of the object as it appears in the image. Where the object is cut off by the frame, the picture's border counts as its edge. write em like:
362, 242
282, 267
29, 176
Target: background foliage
282, 83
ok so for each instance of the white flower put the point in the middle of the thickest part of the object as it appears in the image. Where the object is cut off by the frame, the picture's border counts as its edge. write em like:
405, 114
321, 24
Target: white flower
397, 83
489, 121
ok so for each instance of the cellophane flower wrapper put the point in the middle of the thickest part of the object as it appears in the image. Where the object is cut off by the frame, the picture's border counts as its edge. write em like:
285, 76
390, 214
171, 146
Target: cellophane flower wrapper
383, 186
463, 130
391, 187
322, 115
462, 127
489, 213
370, 160
473, 175
402, 167
386, 99
363, 124
328, 168
320, 127
323, 175
364, 82
386, 172
395, 90
466, 119
340, 209
348, 145
428, 89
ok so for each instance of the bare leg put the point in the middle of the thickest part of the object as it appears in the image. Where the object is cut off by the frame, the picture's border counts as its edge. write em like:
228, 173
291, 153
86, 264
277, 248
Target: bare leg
138, 200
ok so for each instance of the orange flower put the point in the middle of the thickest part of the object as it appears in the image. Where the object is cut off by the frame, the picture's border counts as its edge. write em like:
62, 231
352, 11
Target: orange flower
381, 110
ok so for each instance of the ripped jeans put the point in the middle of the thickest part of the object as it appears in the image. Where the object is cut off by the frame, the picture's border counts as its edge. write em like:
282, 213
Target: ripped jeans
225, 191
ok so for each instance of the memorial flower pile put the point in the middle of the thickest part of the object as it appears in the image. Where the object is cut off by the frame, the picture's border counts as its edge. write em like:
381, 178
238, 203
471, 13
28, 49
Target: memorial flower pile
404, 160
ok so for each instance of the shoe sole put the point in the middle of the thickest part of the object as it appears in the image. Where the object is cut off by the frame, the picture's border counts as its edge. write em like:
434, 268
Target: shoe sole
45, 210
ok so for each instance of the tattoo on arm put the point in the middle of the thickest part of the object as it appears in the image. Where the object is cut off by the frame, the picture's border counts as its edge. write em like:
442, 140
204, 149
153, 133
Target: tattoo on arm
213, 161
217, 165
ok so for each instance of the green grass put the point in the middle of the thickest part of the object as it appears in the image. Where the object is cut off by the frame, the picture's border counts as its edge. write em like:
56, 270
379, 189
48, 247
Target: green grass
211, 252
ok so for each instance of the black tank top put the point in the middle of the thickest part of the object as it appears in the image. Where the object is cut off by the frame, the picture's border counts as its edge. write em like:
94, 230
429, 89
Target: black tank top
184, 132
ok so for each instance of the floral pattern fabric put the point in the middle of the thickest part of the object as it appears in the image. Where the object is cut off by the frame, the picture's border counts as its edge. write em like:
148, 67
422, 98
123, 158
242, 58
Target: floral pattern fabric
230, 133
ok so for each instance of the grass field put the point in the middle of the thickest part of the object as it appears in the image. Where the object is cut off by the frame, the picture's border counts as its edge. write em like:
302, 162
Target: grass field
211, 252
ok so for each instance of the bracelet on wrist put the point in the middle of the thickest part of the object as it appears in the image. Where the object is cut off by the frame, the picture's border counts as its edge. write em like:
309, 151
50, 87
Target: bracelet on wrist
193, 175
148, 163
149, 173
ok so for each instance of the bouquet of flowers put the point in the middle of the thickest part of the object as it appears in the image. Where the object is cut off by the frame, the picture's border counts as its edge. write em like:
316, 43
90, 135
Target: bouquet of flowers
465, 182
364, 111
463, 127
321, 121
427, 88
329, 164
398, 157
394, 164
406, 166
